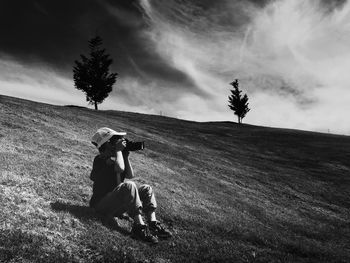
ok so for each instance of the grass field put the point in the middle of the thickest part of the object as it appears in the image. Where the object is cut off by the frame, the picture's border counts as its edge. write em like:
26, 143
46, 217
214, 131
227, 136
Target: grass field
229, 193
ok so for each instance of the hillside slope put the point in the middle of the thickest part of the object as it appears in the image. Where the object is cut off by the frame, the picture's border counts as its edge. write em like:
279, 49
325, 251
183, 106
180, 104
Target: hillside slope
229, 193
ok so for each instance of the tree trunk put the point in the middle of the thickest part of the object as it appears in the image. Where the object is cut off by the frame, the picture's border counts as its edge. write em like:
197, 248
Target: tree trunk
96, 106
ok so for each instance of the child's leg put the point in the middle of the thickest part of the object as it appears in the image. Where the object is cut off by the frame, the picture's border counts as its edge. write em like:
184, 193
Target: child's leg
149, 206
123, 198
149, 201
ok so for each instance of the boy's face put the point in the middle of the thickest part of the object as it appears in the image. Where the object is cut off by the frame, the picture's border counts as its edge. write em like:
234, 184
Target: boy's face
111, 145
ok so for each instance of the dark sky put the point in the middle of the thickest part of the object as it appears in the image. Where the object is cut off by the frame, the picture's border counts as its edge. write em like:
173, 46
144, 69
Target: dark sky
56, 32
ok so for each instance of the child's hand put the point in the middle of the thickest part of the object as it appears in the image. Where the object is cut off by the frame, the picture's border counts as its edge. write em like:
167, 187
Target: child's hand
120, 145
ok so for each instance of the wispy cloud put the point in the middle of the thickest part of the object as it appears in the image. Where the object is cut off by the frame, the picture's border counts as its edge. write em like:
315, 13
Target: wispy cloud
36, 83
292, 58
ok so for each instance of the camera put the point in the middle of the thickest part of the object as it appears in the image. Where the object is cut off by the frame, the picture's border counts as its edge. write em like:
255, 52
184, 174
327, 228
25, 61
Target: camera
134, 146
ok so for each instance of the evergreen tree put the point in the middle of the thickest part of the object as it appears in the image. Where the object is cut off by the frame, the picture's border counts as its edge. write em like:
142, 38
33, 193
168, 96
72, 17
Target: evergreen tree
91, 74
237, 103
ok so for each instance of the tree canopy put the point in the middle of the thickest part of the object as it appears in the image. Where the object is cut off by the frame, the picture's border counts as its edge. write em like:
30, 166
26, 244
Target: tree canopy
91, 74
238, 103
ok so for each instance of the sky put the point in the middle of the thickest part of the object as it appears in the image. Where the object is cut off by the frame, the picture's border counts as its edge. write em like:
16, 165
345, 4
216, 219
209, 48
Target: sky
177, 57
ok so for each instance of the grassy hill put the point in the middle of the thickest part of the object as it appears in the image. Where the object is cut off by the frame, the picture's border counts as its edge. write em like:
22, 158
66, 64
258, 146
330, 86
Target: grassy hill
229, 193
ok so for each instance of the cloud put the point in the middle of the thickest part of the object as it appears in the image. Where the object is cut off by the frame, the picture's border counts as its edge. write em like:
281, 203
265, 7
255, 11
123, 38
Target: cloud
289, 55
305, 44
37, 84
46, 85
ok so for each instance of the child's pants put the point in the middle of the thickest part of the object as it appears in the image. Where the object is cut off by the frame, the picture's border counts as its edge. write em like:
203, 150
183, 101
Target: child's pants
126, 197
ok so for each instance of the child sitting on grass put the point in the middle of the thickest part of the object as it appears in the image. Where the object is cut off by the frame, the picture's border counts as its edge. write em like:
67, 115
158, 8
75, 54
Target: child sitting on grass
112, 196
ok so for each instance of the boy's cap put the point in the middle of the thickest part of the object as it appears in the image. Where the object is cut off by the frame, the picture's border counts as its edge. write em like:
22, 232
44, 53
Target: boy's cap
103, 135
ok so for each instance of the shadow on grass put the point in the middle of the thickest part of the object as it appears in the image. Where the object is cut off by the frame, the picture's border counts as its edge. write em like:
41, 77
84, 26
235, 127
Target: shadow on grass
86, 214
82, 212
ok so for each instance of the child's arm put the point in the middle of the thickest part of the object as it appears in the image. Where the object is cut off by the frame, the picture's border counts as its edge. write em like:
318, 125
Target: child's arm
128, 172
119, 166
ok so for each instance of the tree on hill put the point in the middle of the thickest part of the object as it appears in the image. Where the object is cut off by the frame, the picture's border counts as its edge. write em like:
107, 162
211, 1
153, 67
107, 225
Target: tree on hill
237, 103
91, 74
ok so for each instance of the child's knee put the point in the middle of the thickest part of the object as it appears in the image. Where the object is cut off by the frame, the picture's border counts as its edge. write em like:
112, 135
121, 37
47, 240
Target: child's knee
129, 185
147, 188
